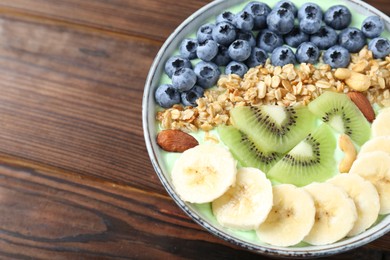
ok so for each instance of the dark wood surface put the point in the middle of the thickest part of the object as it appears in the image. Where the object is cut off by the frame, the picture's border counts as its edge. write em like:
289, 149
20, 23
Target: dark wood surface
75, 178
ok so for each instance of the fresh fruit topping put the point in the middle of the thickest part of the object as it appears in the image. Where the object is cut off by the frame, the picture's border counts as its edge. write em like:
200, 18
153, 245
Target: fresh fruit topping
291, 217
342, 114
352, 39
346, 145
338, 17
307, 52
363, 104
310, 25
245, 150
373, 26
381, 125
183, 79
282, 56
207, 50
337, 57
310, 10
188, 98
375, 167
205, 32
166, 96
222, 58
354, 80
310, 160
247, 36
380, 47
287, 5
280, 20
239, 50
207, 74
259, 11
257, 57
188, 48
268, 40
365, 197
243, 21
296, 37
272, 127
175, 63
224, 33
325, 38
335, 214
225, 16
237, 68
247, 203
203, 173
379, 143
171, 140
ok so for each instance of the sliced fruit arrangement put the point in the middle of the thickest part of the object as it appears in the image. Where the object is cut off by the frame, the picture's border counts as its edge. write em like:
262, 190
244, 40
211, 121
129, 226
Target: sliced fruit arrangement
311, 160
381, 125
247, 203
274, 128
342, 114
291, 217
245, 150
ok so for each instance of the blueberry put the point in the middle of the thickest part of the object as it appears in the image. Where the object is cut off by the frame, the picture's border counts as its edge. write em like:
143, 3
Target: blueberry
225, 16
205, 32
167, 96
352, 39
224, 33
247, 36
296, 37
380, 47
324, 38
244, 21
222, 58
257, 57
282, 55
338, 17
188, 98
287, 5
188, 48
373, 26
310, 25
337, 57
268, 40
207, 74
259, 11
280, 21
307, 52
174, 63
207, 50
237, 68
239, 50
310, 10
183, 79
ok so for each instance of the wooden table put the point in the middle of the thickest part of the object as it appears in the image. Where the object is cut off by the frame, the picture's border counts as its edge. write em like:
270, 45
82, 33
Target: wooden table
75, 177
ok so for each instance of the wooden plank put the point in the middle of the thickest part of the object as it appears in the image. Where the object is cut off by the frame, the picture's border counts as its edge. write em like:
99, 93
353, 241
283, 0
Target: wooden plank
56, 217
71, 99
119, 15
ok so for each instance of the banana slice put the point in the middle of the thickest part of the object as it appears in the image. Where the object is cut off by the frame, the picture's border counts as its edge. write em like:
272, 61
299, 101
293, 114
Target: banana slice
375, 167
291, 217
245, 205
335, 214
381, 124
203, 173
380, 143
365, 197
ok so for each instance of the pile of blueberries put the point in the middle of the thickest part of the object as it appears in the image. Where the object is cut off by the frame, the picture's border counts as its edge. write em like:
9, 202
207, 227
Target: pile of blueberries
247, 39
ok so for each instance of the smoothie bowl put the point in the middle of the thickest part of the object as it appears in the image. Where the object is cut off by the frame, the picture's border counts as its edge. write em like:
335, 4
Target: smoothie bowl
267, 123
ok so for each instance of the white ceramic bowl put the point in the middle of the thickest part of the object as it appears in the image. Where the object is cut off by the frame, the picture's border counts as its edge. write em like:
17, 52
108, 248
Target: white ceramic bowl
190, 25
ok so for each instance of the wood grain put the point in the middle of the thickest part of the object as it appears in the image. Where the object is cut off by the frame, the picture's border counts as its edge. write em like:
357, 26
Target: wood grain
75, 178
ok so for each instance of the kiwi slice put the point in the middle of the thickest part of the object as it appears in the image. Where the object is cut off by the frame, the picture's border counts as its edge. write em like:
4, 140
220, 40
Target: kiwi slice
245, 150
312, 160
342, 114
274, 128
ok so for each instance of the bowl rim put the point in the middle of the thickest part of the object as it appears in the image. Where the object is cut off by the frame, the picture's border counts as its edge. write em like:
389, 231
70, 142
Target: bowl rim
369, 235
